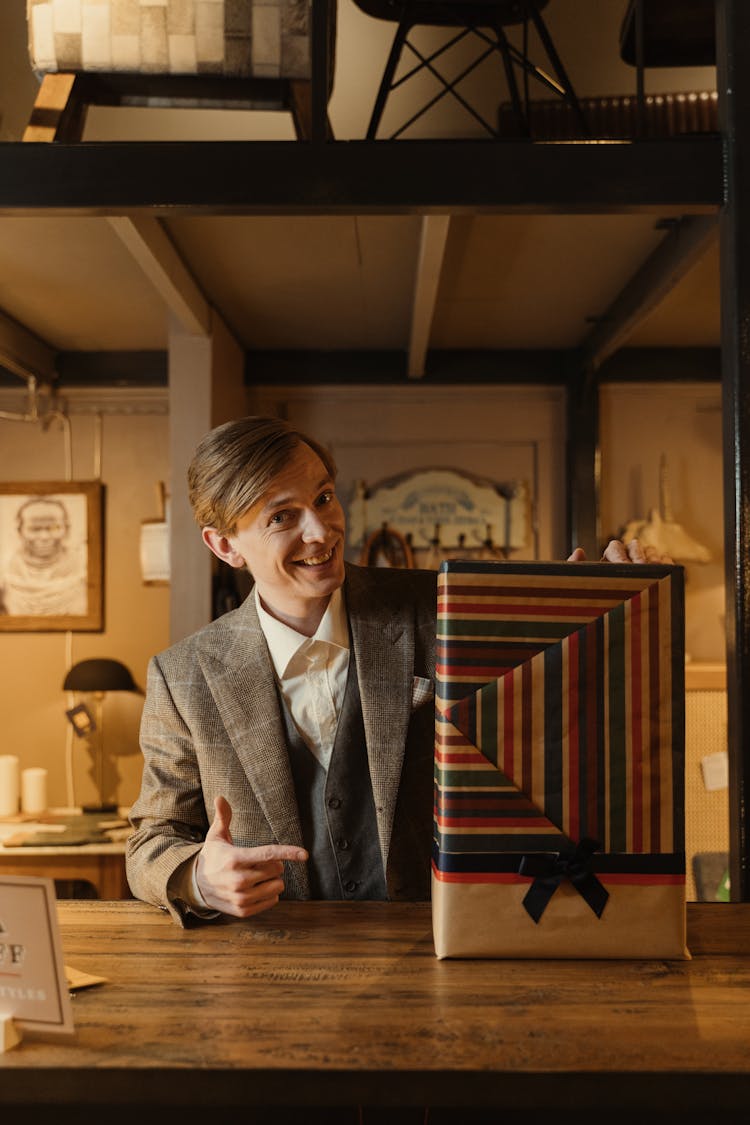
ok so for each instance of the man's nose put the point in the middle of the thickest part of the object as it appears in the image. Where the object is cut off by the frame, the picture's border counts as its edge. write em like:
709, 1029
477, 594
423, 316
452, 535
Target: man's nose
314, 527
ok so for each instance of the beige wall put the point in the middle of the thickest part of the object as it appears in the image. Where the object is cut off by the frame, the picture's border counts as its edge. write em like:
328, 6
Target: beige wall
32, 702
503, 433
639, 422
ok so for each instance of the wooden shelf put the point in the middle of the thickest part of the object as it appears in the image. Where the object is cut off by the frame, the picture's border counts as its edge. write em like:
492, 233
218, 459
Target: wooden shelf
679, 175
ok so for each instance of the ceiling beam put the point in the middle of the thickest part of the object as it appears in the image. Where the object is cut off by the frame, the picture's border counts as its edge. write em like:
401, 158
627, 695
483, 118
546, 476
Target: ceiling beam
432, 241
686, 241
475, 366
152, 248
662, 365
677, 176
24, 353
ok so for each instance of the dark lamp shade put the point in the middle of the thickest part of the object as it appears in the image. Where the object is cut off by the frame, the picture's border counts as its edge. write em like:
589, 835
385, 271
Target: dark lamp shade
99, 675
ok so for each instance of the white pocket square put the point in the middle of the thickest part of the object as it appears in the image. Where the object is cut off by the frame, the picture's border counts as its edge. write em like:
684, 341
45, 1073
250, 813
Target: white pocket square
422, 690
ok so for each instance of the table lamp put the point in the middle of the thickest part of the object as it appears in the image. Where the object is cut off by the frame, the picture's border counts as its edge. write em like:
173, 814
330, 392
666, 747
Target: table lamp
98, 677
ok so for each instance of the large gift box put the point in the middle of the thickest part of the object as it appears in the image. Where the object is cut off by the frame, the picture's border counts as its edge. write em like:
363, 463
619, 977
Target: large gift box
559, 759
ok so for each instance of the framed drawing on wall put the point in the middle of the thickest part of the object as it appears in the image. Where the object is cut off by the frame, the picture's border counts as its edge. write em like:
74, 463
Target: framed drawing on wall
51, 549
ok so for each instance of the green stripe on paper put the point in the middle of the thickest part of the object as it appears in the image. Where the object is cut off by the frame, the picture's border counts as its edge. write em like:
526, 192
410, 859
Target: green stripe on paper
617, 740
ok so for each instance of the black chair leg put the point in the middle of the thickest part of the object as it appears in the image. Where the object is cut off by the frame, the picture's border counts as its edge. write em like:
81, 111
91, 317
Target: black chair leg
568, 92
510, 78
390, 69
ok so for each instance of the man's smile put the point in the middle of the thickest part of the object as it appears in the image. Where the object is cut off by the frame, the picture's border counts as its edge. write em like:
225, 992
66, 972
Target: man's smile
315, 560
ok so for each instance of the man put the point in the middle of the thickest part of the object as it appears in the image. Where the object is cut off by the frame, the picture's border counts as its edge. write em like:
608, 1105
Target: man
288, 745
43, 576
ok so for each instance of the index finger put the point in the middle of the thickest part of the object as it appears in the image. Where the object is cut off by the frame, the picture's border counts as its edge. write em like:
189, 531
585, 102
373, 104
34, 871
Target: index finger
266, 853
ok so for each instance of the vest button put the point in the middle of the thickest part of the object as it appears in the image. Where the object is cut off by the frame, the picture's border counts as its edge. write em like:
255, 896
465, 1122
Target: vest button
351, 886
342, 845
334, 803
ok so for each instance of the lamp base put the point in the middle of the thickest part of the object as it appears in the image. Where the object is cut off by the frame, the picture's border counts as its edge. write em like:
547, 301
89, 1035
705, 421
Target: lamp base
107, 808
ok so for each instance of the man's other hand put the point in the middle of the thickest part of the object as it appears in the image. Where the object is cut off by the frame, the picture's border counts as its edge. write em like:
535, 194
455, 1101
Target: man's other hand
618, 552
240, 881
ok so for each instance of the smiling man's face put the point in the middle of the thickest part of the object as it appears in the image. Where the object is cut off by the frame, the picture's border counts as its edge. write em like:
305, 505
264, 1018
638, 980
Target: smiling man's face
292, 541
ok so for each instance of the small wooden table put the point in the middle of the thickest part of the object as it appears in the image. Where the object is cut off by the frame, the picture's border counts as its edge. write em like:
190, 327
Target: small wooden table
343, 1004
102, 865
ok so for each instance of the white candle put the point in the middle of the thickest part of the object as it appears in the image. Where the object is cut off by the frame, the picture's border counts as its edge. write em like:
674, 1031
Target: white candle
9, 785
34, 790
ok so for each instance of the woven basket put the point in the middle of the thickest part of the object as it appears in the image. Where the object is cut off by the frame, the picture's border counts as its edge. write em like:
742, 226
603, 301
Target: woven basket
234, 38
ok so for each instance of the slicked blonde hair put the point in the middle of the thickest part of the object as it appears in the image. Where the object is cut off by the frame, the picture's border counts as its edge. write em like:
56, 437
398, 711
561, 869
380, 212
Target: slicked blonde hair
235, 463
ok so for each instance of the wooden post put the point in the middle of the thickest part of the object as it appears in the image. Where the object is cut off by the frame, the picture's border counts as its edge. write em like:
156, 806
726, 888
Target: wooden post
205, 388
733, 84
582, 456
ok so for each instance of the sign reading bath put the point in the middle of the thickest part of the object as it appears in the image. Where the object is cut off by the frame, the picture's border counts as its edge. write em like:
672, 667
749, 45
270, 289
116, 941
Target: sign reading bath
467, 509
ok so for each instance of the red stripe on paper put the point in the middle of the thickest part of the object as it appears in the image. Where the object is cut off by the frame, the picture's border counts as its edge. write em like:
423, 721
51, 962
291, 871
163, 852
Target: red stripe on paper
469, 756
636, 719
511, 802
547, 609
508, 719
492, 821
526, 719
482, 877
487, 671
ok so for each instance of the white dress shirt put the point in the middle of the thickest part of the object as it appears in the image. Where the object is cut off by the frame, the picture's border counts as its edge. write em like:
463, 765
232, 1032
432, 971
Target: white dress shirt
311, 672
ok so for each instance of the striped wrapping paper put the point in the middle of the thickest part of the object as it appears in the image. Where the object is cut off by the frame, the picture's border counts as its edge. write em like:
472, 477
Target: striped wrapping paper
559, 719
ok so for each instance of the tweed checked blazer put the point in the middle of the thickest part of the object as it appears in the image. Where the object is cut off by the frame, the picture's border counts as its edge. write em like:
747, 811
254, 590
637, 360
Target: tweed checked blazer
212, 726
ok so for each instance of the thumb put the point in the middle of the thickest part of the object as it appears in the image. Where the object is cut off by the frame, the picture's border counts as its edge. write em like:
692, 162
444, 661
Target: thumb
219, 829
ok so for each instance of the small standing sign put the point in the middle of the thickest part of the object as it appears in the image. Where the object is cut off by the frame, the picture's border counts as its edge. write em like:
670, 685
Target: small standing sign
33, 989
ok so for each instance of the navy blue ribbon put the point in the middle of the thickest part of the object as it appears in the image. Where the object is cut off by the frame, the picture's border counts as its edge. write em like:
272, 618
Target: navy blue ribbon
550, 870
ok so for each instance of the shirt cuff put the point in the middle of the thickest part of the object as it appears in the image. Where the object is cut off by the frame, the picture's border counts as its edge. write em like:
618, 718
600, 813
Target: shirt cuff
183, 889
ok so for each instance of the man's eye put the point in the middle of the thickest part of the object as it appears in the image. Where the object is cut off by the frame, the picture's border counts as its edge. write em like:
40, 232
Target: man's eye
325, 497
279, 517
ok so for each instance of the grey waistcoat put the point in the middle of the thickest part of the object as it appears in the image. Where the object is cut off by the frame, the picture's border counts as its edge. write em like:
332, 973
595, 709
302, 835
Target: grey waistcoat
336, 808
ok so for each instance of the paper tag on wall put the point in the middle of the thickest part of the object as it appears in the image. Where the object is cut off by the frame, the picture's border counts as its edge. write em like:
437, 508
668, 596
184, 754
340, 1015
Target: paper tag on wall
715, 769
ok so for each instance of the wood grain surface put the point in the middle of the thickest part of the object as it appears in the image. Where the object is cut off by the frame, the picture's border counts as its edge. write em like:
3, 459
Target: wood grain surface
332, 1004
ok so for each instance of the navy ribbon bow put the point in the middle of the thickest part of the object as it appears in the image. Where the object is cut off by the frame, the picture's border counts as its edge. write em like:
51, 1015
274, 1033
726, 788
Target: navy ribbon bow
549, 871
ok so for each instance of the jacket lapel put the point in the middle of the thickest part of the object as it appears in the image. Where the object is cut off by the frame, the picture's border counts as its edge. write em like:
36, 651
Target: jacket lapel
239, 674
383, 642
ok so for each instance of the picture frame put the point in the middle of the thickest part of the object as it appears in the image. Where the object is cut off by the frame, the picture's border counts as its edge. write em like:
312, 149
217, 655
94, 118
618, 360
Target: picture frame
51, 556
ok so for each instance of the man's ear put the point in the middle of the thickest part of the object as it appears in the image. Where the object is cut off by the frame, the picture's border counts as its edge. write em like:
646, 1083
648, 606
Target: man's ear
221, 547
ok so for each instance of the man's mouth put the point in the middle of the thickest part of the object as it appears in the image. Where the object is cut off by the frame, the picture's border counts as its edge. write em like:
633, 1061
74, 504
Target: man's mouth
316, 560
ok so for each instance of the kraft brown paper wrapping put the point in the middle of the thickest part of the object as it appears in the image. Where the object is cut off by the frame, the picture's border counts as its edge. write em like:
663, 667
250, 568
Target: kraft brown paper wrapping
489, 920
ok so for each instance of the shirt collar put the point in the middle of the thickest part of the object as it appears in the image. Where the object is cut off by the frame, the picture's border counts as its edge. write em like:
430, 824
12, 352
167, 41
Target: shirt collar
284, 642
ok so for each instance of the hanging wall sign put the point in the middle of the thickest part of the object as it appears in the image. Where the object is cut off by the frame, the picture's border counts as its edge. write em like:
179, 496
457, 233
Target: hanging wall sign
468, 510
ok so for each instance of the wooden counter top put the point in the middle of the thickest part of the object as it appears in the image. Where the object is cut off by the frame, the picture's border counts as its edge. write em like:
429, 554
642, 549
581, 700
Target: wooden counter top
342, 1004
